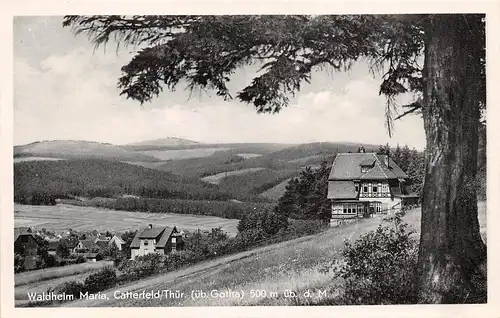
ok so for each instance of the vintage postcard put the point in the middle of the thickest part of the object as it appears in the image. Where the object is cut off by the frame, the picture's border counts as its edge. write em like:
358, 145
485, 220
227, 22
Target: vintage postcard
258, 162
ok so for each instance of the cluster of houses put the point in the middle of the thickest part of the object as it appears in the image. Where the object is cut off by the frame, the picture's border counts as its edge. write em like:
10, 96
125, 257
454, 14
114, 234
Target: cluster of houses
161, 240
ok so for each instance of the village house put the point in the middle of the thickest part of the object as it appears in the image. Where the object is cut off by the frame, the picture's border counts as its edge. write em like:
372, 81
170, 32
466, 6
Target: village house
86, 246
26, 245
161, 240
363, 184
117, 241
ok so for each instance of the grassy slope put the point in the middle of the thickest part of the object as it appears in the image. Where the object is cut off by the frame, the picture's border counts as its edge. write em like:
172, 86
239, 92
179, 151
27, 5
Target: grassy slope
288, 265
31, 277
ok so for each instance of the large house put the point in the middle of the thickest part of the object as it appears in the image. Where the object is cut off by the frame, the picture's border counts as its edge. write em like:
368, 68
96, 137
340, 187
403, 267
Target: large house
161, 240
361, 184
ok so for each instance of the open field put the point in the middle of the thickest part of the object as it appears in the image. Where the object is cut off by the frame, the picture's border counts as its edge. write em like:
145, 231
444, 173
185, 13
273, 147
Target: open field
22, 159
249, 155
290, 265
277, 191
216, 178
182, 153
62, 217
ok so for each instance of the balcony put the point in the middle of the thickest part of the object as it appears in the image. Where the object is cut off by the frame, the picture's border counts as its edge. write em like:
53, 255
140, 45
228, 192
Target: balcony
375, 195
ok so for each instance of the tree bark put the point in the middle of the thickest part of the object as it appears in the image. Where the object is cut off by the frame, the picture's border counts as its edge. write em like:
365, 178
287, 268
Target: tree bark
452, 255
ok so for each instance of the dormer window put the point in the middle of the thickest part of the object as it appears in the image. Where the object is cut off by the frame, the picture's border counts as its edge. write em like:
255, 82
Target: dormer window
364, 169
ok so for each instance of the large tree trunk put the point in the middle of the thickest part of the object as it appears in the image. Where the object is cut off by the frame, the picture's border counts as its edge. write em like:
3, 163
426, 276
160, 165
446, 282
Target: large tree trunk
451, 249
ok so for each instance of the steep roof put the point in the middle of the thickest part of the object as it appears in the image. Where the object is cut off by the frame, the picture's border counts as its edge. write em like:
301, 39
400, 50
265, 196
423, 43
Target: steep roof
89, 244
341, 190
102, 243
21, 231
347, 166
153, 233
69, 242
166, 235
118, 239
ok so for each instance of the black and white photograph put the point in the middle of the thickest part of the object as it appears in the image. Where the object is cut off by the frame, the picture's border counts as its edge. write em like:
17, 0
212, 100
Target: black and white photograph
249, 160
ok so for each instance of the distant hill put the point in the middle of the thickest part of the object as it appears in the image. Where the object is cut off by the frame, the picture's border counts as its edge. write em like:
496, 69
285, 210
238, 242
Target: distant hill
160, 143
79, 149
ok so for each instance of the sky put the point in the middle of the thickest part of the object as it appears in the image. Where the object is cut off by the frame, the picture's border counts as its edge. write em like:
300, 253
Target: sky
66, 90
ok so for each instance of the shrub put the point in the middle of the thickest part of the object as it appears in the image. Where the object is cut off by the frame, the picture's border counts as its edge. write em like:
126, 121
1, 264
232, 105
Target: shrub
299, 228
378, 268
102, 279
70, 288
142, 266
18, 263
80, 259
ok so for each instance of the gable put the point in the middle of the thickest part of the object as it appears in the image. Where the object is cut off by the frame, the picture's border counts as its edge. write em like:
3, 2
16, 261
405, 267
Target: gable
166, 236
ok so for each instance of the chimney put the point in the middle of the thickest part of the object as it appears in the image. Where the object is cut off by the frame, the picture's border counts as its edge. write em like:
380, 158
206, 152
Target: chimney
150, 226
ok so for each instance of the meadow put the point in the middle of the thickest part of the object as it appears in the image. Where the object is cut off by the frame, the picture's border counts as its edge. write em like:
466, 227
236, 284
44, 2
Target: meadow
175, 154
63, 217
46, 274
216, 178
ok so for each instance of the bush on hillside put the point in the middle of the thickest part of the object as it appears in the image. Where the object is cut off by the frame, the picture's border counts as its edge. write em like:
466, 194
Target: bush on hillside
378, 268
142, 266
102, 279
298, 228
72, 287
265, 222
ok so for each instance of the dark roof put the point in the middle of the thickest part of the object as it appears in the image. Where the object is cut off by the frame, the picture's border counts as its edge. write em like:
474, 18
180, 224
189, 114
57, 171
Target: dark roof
341, 190
151, 233
69, 243
89, 244
165, 237
21, 231
102, 243
148, 233
347, 166
53, 245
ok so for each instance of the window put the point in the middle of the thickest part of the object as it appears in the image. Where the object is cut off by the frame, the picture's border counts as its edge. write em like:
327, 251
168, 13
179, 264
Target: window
173, 239
385, 187
356, 186
345, 209
146, 242
375, 188
365, 189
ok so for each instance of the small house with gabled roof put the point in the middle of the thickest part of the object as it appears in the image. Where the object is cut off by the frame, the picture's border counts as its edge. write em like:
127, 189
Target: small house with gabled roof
362, 184
26, 245
160, 240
